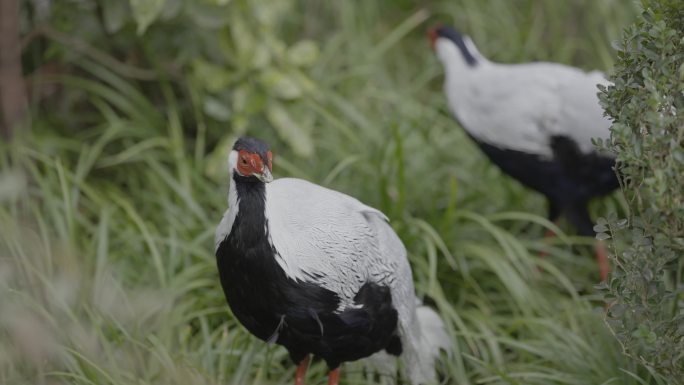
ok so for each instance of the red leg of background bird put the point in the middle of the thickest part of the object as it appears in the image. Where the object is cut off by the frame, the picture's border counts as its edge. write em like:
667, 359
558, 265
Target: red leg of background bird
547, 234
301, 371
602, 259
334, 377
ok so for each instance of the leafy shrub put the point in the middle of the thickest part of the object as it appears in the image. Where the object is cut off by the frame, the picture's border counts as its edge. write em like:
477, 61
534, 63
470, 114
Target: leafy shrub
224, 61
646, 289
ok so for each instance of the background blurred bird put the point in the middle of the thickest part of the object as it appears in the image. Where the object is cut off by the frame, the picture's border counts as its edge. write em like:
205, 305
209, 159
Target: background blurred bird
319, 272
535, 121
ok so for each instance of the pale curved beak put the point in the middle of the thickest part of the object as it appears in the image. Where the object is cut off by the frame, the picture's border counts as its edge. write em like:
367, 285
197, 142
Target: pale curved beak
264, 176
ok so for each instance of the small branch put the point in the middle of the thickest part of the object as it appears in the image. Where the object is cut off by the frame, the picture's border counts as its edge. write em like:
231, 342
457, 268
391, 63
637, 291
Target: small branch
13, 101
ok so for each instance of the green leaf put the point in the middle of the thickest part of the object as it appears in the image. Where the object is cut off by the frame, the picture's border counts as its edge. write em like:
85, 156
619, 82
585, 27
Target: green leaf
280, 85
115, 14
289, 130
217, 162
304, 53
208, 16
602, 236
617, 310
244, 41
212, 77
172, 8
12, 184
216, 109
145, 12
600, 228
261, 57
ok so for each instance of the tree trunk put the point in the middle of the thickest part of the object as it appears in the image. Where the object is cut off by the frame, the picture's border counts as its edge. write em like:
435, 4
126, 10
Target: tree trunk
13, 101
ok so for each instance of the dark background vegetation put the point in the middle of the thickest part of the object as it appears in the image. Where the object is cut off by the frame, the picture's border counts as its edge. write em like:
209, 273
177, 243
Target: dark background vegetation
116, 177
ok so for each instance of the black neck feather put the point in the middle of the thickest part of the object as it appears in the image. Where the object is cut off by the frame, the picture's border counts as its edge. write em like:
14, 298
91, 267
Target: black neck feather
459, 41
250, 224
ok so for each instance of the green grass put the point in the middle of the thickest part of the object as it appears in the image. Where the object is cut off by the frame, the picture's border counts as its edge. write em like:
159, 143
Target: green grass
107, 274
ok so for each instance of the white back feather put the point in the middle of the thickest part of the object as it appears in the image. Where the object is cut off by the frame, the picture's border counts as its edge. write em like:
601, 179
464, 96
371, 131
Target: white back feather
520, 106
326, 237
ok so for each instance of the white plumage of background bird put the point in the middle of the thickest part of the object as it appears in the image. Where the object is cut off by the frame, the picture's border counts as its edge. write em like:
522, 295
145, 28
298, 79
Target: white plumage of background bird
319, 272
536, 122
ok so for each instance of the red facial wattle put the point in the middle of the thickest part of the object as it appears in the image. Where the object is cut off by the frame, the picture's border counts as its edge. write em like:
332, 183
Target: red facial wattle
249, 163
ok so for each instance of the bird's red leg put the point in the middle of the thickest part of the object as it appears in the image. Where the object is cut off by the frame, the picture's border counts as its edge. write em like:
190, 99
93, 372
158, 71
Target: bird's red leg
547, 234
301, 371
334, 377
602, 259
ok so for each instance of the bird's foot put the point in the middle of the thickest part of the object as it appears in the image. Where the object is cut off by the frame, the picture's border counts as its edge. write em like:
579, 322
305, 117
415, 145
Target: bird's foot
334, 377
602, 259
548, 234
301, 371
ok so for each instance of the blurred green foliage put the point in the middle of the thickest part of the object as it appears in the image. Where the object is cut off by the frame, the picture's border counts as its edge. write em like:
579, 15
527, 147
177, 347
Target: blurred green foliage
646, 291
227, 55
108, 206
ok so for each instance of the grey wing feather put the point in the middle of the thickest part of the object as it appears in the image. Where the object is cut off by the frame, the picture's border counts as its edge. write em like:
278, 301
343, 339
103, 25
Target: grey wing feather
330, 238
522, 106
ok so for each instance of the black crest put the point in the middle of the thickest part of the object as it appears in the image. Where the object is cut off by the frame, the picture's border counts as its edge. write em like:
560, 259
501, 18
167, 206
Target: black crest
458, 39
252, 145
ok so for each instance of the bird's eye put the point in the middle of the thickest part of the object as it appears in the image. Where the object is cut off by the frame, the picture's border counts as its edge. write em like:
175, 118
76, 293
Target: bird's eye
244, 161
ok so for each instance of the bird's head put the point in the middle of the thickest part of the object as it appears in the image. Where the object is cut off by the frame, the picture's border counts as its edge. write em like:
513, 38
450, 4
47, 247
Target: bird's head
251, 159
452, 48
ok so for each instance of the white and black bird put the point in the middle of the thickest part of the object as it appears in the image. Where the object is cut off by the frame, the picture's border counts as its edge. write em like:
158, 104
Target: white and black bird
319, 272
536, 122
